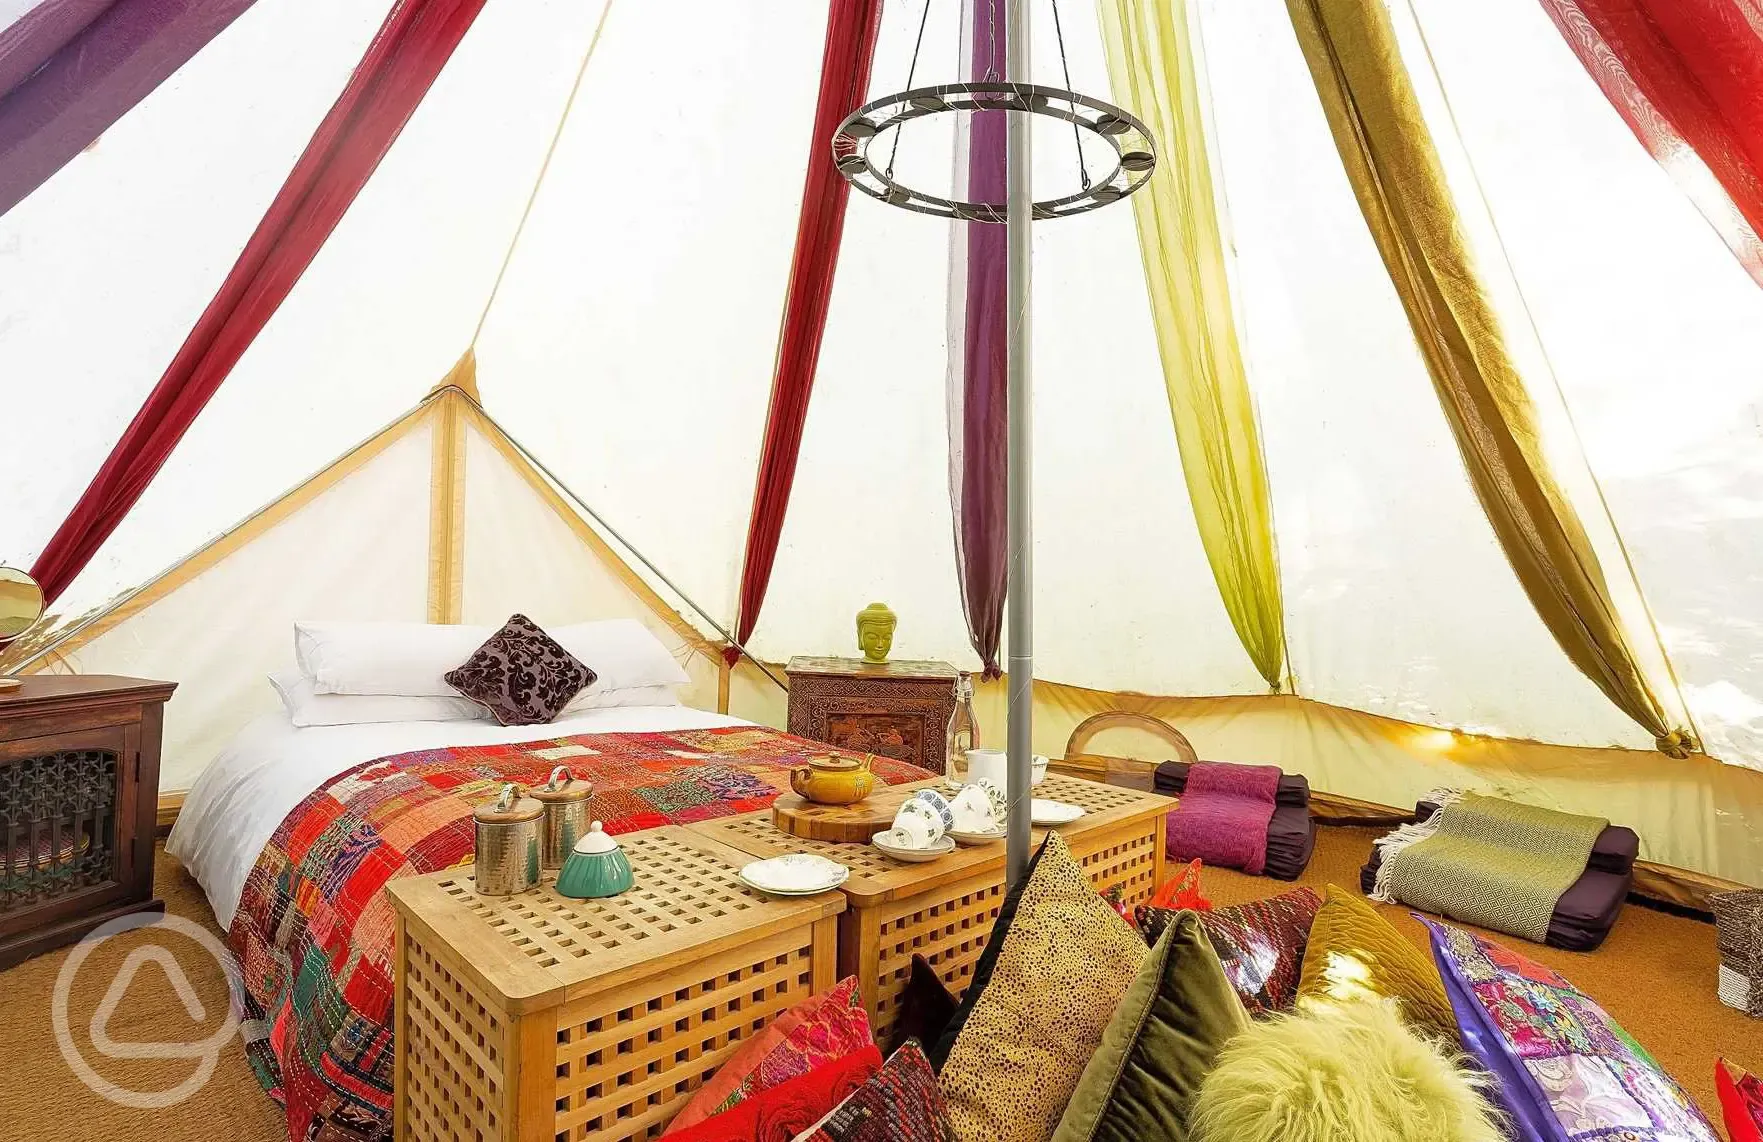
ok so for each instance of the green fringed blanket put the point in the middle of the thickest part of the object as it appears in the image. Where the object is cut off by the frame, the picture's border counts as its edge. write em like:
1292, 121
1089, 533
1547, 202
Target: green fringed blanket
1486, 861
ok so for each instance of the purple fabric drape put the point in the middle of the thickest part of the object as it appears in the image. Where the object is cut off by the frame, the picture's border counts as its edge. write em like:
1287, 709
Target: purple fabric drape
978, 357
71, 68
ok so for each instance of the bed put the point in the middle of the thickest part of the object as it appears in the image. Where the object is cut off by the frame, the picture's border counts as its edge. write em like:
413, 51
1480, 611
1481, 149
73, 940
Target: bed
292, 832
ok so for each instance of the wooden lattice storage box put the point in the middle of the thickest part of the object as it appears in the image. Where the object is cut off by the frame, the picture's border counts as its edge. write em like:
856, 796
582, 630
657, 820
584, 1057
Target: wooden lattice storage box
943, 910
538, 1016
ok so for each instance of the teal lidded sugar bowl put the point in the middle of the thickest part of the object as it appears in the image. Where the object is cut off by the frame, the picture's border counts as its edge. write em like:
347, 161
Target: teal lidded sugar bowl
596, 867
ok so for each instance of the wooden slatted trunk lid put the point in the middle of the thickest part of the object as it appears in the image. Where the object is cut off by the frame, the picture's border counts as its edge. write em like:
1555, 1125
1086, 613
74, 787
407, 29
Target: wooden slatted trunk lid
537, 1016
944, 909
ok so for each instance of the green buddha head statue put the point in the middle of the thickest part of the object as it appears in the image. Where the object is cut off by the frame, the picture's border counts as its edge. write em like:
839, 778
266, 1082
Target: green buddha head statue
875, 631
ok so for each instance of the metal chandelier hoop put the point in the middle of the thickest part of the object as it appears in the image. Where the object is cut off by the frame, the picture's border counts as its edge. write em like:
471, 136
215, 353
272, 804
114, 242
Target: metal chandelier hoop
1135, 153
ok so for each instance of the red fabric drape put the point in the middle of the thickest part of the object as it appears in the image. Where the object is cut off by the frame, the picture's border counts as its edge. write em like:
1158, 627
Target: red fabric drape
851, 30
415, 41
1685, 75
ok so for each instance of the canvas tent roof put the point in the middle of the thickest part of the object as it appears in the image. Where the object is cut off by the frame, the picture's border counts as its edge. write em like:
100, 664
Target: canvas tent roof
627, 340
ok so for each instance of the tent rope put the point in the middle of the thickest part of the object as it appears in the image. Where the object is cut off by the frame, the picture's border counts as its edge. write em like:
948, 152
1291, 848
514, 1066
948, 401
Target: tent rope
544, 169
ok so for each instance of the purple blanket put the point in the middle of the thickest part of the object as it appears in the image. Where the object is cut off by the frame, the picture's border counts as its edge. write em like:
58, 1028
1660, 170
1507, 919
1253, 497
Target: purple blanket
1223, 814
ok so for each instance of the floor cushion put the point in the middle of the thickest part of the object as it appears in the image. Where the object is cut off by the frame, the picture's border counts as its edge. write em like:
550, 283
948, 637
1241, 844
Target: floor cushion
900, 1103
1163, 1040
1291, 840
1291, 834
791, 1107
1351, 1072
1589, 908
1055, 967
1741, 1102
1354, 953
1566, 1070
1172, 777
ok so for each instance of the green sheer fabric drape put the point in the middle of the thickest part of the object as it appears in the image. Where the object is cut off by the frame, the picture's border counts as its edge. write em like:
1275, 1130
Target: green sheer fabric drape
1151, 66
1400, 183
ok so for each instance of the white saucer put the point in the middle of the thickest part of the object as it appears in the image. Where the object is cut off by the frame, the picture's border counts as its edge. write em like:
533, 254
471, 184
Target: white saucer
1046, 812
795, 874
887, 842
967, 838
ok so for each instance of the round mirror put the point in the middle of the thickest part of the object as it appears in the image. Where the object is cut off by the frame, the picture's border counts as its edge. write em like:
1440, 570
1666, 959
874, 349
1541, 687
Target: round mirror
21, 603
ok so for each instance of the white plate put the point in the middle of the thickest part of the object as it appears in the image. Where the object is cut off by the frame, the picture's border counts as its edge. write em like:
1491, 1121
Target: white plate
888, 842
966, 838
795, 874
1053, 812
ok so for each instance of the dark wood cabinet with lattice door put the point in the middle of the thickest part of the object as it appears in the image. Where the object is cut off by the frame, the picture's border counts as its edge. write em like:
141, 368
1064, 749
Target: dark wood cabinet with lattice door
79, 792
899, 709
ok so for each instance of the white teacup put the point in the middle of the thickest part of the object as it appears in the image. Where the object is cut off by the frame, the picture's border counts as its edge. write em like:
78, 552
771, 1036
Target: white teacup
988, 765
920, 824
973, 810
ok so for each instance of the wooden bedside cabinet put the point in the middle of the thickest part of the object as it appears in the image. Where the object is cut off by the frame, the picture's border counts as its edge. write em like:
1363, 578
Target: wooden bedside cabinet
79, 791
897, 709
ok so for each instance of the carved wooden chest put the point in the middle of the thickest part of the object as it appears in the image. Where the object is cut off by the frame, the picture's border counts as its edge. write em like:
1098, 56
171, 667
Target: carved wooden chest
79, 787
896, 709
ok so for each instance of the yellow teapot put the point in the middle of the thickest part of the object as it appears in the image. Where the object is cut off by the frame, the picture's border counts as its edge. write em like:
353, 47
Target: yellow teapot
833, 780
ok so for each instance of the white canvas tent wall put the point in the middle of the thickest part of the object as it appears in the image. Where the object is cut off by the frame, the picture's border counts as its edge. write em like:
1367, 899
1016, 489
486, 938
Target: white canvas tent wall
630, 346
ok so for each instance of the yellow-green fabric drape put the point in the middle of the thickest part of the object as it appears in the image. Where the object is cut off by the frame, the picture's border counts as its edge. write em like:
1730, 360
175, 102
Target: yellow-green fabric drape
1151, 66
1400, 183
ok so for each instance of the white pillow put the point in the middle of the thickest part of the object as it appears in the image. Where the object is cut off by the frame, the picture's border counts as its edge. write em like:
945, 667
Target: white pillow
594, 698
411, 658
307, 707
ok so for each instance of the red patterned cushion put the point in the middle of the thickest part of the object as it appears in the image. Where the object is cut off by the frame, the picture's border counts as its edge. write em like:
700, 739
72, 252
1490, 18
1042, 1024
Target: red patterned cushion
715, 1093
1741, 1102
521, 675
836, 1028
901, 1103
786, 1110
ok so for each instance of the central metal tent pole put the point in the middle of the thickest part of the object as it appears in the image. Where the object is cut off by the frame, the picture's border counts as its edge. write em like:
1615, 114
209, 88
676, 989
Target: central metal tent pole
1020, 662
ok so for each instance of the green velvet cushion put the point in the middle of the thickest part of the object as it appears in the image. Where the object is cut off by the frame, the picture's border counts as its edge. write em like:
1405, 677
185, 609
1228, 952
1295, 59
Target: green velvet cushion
1163, 1040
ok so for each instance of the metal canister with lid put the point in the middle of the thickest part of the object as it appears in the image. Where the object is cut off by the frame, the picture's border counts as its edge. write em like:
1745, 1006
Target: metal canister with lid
565, 798
507, 843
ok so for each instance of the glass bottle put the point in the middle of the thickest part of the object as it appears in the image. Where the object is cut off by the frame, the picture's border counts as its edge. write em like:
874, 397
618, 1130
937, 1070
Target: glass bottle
963, 732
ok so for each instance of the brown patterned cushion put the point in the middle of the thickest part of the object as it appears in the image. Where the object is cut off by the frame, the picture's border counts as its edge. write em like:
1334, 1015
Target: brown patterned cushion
1060, 961
521, 675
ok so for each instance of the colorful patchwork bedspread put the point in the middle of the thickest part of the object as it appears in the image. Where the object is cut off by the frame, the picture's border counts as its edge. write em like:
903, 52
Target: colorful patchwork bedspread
313, 932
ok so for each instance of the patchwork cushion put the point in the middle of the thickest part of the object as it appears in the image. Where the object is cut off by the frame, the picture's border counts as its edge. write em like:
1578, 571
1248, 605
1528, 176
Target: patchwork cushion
521, 675
1164, 1038
1057, 963
1349, 1072
1353, 953
926, 1006
1741, 1102
901, 1103
1567, 1071
788, 1109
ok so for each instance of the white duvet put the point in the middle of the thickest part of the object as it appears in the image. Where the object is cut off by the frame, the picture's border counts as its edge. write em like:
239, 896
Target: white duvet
258, 779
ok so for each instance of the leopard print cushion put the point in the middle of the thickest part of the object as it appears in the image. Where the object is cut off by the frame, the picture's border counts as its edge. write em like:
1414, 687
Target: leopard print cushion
1067, 960
521, 675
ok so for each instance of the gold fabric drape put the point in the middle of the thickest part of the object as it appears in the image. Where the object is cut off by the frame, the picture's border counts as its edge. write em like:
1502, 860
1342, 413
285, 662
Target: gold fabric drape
1400, 184
1151, 66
